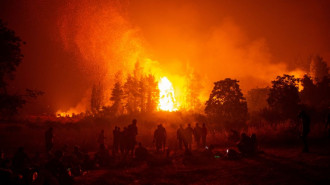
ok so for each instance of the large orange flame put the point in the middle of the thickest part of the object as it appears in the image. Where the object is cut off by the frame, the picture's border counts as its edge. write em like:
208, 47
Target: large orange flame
167, 100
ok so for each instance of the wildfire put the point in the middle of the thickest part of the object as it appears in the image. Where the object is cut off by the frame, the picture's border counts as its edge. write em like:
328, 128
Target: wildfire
167, 100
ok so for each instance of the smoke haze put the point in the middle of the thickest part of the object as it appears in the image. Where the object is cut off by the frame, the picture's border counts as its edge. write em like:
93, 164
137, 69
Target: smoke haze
74, 44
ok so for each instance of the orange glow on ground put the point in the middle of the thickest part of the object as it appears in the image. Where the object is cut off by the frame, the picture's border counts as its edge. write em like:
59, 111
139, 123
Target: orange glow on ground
167, 100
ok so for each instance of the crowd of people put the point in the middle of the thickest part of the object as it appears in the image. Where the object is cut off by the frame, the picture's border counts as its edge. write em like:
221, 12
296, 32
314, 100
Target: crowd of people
125, 140
61, 165
185, 136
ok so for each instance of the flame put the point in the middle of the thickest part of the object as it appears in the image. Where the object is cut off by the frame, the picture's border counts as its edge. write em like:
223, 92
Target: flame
70, 113
167, 100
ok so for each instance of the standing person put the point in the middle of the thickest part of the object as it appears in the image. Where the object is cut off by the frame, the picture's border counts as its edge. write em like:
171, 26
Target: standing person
160, 137
116, 133
188, 132
327, 125
304, 117
204, 134
197, 134
132, 133
180, 136
101, 138
49, 139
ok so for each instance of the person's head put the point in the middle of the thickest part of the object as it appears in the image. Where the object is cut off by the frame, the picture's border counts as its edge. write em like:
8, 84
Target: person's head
58, 154
76, 148
134, 121
102, 146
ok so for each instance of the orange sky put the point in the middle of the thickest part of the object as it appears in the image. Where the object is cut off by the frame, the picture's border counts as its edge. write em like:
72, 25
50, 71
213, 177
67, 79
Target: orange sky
73, 44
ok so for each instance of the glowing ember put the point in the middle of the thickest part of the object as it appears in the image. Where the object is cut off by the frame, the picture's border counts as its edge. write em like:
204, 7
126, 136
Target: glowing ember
167, 100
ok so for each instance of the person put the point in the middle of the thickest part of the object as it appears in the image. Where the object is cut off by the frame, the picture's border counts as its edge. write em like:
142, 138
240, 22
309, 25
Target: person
123, 141
245, 145
116, 133
204, 134
56, 167
20, 160
141, 153
101, 138
327, 124
132, 132
304, 117
197, 134
180, 136
160, 137
188, 132
102, 157
49, 139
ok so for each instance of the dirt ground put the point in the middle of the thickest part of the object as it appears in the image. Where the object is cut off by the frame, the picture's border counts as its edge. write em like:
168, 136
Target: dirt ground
273, 166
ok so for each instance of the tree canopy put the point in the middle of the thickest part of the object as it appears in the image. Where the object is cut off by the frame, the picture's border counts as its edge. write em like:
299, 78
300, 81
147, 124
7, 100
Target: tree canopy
226, 103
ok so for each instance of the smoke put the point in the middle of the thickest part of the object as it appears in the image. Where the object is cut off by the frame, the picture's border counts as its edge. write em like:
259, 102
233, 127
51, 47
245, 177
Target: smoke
110, 36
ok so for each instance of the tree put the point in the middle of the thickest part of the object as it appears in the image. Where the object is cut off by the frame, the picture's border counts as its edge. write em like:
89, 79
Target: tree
10, 58
117, 96
226, 103
257, 99
152, 93
10, 55
318, 69
283, 98
96, 98
193, 92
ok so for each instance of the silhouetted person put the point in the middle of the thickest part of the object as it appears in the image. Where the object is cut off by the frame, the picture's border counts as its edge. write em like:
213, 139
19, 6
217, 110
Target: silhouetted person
101, 138
141, 153
116, 135
131, 136
245, 145
102, 157
327, 124
49, 139
180, 136
188, 132
254, 142
20, 160
56, 167
197, 134
160, 138
204, 134
305, 129
123, 140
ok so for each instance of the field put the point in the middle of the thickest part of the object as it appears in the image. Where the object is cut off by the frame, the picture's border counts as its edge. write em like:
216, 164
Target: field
279, 162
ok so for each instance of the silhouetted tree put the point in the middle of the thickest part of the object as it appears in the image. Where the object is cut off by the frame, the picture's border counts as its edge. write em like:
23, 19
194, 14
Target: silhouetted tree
96, 98
152, 93
283, 98
318, 69
257, 99
131, 94
10, 58
226, 103
10, 55
117, 95
194, 90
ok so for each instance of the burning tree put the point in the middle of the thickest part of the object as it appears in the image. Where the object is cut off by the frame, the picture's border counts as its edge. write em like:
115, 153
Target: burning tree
226, 103
96, 98
117, 96
140, 92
